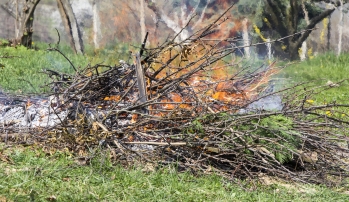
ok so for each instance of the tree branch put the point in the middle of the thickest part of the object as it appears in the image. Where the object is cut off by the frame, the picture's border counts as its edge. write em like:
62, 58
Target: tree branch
293, 16
276, 17
312, 24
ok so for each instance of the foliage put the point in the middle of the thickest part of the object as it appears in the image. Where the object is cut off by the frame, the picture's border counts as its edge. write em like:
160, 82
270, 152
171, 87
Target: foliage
273, 133
196, 126
279, 128
251, 9
276, 19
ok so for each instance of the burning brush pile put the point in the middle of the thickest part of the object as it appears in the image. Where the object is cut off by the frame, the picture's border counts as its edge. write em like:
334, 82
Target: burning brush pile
192, 103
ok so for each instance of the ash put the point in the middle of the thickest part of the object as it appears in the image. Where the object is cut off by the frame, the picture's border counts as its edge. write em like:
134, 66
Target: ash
269, 103
37, 113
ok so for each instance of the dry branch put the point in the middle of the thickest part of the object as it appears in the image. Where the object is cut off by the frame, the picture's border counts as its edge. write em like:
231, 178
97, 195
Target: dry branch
203, 110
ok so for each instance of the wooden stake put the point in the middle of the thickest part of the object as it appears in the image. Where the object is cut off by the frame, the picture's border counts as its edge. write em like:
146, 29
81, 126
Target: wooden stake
140, 80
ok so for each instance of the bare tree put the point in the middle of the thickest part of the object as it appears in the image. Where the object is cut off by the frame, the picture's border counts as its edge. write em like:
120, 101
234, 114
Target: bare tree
96, 24
340, 28
71, 25
26, 29
17, 25
304, 44
142, 19
24, 20
285, 20
180, 18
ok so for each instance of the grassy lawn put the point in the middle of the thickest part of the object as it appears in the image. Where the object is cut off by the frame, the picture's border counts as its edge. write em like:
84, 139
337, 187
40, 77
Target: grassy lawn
22, 73
321, 70
30, 174
21, 69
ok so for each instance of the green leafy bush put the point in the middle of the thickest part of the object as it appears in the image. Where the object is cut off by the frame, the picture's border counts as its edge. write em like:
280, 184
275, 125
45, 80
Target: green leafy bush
279, 129
274, 134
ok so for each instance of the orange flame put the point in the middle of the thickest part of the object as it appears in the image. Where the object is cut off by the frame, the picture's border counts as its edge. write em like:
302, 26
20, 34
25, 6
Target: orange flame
28, 104
211, 84
112, 98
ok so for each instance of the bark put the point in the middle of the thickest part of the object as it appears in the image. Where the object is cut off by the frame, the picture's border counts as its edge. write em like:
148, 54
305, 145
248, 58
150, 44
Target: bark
142, 19
245, 38
26, 29
329, 34
71, 25
96, 25
340, 28
179, 20
17, 22
304, 44
285, 21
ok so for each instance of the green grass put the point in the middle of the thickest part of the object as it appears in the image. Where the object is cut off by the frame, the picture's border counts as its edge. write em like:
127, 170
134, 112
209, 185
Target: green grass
22, 73
321, 69
30, 174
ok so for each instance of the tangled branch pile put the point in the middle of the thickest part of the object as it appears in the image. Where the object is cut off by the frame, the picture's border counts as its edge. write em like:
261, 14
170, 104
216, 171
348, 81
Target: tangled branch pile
194, 104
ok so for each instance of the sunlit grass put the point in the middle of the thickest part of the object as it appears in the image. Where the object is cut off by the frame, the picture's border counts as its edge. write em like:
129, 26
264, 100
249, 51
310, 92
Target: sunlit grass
321, 70
30, 174
22, 72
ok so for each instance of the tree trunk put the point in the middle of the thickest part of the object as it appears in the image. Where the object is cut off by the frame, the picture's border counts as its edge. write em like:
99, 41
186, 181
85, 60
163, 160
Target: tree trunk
27, 22
176, 21
142, 19
285, 20
293, 51
71, 25
303, 53
329, 33
245, 38
340, 28
96, 25
17, 24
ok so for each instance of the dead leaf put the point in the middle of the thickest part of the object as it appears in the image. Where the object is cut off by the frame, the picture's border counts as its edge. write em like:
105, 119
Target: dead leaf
82, 161
3, 199
213, 149
149, 167
5, 158
112, 155
208, 170
331, 84
94, 126
131, 138
112, 177
51, 198
309, 157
